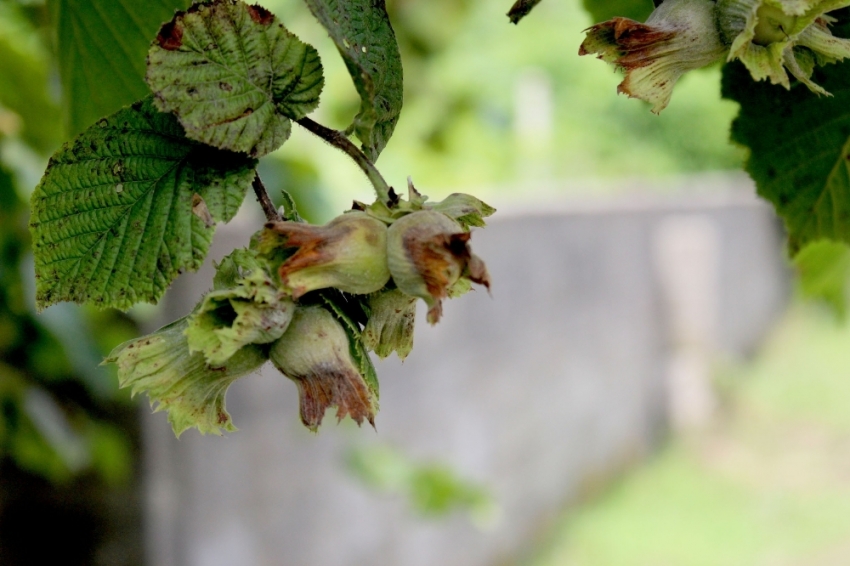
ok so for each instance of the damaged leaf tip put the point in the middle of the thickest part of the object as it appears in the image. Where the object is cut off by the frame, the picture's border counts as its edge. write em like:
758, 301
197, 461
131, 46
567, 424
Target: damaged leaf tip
170, 36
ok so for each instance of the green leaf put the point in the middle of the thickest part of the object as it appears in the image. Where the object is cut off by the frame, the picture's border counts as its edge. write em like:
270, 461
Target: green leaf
234, 76
602, 10
824, 269
799, 149
101, 47
362, 32
465, 209
24, 81
192, 392
112, 218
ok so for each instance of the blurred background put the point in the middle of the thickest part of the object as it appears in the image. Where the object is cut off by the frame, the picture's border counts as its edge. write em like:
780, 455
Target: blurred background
643, 387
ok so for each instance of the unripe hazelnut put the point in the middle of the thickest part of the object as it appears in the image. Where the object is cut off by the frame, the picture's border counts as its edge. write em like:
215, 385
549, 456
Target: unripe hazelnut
427, 253
679, 36
315, 353
348, 253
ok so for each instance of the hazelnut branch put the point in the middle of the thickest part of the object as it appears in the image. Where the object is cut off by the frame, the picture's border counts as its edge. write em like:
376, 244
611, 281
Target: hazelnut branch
272, 215
339, 141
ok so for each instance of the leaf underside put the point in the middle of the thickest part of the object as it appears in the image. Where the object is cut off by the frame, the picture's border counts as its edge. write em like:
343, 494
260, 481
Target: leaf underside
799, 150
362, 32
101, 47
112, 218
234, 76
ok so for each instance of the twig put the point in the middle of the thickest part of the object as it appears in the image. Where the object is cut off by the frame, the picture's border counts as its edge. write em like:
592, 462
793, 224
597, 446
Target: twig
272, 215
339, 141
520, 9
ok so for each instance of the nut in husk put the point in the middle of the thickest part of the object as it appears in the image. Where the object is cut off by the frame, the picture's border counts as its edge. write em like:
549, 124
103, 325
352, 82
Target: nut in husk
315, 353
427, 253
348, 253
679, 36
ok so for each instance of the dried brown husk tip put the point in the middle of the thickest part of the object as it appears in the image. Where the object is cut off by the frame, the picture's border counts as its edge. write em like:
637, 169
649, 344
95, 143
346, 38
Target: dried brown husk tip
679, 36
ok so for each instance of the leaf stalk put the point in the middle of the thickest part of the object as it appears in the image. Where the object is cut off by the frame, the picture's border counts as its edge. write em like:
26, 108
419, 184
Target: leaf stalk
339, 141
272, 215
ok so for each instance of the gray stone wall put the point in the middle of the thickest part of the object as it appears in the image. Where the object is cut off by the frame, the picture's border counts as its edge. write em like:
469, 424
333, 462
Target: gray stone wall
556, 380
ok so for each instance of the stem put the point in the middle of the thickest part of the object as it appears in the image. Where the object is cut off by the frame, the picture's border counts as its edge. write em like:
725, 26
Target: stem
269, 210
339, 141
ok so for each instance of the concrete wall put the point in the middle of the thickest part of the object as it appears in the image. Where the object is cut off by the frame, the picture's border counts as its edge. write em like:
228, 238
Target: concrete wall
557, 379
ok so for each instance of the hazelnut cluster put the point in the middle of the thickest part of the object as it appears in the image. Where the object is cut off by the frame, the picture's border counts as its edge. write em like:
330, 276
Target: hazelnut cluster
315, 300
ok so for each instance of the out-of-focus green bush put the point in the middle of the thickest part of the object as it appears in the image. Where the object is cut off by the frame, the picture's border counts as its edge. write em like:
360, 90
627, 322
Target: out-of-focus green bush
68, 436
62, 415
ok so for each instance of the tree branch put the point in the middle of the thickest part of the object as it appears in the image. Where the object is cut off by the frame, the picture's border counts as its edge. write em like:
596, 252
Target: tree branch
265, 201
339, 141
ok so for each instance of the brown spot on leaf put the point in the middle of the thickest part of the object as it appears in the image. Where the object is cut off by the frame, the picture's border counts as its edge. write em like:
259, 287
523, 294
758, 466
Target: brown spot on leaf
260, 15
170, 36
200, 209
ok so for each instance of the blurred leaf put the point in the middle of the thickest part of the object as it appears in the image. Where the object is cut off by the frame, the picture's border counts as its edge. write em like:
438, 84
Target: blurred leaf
101, 47
68, 327
824, 269
300, 179
111, 453
602, 10
19, 438
234, 76
432, 489
54, 427
24, 82
112, 218
362, 32
8, 195
799, 150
